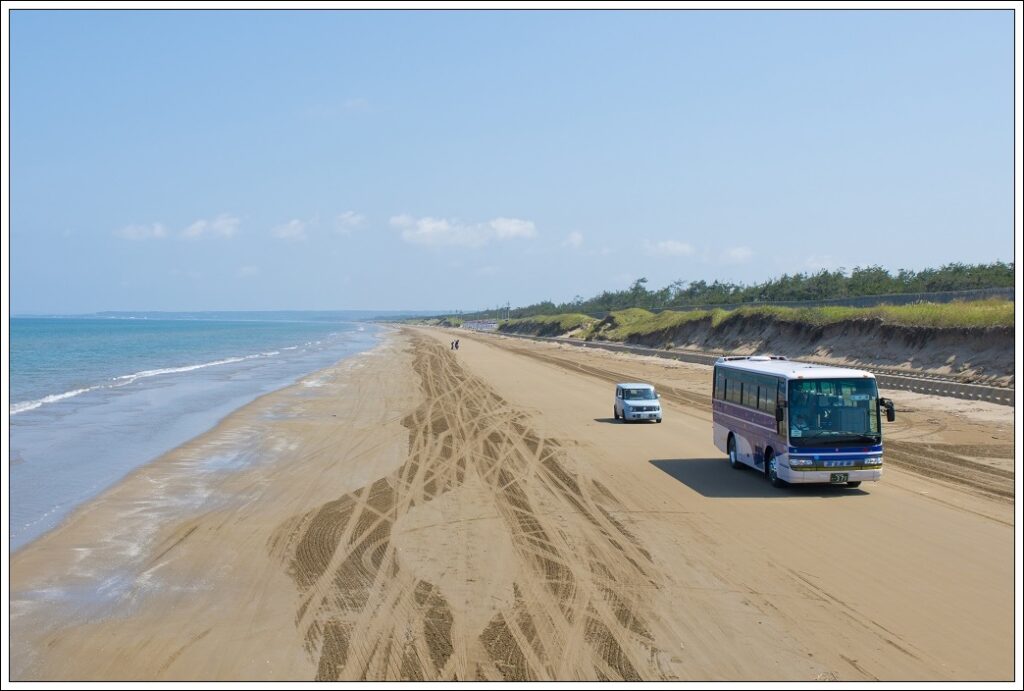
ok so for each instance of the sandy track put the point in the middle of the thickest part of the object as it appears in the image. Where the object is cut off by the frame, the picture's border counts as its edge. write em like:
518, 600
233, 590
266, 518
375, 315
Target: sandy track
955, 463
909, 578
565, 605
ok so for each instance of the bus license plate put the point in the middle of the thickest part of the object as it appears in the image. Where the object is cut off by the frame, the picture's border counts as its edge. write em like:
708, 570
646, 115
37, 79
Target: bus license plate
839, 477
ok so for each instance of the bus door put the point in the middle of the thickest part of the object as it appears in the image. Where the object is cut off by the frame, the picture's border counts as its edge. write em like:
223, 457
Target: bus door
783, 427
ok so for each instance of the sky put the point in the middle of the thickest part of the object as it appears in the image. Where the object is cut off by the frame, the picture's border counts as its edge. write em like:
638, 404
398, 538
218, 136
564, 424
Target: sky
458, 160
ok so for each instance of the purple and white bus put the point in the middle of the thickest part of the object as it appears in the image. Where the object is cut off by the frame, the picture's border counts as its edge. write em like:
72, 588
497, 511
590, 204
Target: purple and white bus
797, 422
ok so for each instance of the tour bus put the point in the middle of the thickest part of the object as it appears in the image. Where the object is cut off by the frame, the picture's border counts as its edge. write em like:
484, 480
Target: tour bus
797, 422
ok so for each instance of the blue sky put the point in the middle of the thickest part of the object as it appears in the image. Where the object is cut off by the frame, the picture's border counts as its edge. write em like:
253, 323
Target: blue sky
171, 160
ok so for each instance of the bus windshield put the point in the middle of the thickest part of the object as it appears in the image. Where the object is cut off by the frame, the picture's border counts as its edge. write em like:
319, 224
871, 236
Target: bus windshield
823, 412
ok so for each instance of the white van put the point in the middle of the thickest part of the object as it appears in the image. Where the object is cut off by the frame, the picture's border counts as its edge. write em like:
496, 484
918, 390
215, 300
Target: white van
637, 402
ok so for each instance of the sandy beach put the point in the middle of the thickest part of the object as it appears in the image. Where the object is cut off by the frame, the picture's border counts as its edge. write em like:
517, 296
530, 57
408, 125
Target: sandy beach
420, 513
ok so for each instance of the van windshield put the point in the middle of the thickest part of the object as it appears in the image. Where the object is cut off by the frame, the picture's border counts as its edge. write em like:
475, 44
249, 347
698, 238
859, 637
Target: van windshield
642, 394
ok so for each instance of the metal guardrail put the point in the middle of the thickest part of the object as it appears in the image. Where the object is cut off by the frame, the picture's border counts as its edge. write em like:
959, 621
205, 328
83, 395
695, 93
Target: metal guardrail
939, 387
930, 384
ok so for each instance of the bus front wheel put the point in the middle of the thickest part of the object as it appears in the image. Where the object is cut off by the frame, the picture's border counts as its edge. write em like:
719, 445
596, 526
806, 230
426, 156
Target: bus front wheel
773, 472
854, 484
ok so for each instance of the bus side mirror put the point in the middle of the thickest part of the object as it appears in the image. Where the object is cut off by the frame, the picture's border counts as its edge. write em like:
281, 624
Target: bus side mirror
779, 413
890, 409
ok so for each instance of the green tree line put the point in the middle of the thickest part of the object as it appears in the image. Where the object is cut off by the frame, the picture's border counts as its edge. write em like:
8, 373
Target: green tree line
823, 285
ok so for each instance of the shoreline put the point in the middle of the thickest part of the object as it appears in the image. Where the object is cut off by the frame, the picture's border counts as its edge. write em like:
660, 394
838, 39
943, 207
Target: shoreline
68, 455
71, 514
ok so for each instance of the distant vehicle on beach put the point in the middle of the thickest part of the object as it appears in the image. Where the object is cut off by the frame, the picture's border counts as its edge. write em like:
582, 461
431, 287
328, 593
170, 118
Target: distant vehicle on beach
798, 422
637, 402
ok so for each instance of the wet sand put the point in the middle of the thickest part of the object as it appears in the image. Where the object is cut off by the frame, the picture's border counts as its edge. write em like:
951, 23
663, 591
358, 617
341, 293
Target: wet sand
419, 513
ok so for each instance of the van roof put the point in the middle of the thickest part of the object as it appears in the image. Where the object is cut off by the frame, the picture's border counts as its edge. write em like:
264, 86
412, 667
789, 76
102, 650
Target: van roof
635, 385
791, 369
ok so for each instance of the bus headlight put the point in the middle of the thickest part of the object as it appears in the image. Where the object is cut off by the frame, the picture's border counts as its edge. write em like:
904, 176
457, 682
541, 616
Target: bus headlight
874, 460
798, 462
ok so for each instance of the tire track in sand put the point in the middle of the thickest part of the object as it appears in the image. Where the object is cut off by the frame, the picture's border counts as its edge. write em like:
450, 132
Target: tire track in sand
574, 607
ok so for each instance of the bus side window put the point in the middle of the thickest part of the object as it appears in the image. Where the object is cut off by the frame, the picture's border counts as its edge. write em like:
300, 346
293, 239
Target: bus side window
750, 397
733, 389
766, 395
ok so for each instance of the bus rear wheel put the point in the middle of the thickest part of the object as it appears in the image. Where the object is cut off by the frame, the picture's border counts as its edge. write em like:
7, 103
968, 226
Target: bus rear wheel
734, 461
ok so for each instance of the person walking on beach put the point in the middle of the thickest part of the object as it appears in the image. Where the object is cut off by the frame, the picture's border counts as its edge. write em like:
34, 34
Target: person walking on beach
452, 345
456, 344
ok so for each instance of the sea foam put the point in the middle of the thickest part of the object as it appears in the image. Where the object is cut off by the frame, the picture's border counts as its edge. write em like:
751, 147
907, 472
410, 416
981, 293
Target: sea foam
126, 379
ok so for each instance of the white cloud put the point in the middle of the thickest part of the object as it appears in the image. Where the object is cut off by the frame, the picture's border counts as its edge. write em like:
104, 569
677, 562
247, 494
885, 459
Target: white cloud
292, 231
247, 271
435, 231
142, 232
737, 255
344, 223
224, 226
513, 228
574, 240
672, 248
441, 231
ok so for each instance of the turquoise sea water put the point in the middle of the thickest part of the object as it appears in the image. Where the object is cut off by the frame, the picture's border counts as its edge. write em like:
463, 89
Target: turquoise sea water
91, 399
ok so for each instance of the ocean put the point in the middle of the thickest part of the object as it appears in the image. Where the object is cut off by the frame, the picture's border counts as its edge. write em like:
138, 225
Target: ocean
92, 399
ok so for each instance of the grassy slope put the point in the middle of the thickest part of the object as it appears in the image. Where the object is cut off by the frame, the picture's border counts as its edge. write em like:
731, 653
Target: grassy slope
620, 325
979, 313
549, 324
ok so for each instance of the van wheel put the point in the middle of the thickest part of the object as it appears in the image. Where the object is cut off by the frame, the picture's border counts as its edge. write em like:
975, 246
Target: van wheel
733, 460
615, 412
658, 420
772, 466
855, 483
